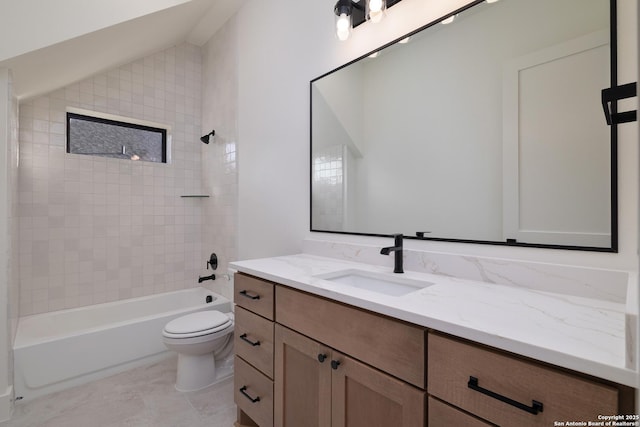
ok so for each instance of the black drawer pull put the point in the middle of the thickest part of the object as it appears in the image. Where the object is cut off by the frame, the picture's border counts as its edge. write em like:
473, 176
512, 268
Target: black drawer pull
334, 364
244, 338
245, 394
533, 409
322, 357
246, 294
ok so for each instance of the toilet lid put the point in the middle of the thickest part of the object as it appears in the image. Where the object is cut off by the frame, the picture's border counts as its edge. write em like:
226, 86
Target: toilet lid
198, 322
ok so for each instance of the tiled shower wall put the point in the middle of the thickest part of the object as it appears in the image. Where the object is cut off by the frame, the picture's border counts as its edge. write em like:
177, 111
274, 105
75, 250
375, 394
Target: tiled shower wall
328, 169
219, 172
98, 229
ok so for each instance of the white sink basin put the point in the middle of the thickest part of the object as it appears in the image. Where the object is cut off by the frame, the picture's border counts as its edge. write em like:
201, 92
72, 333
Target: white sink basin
395, 285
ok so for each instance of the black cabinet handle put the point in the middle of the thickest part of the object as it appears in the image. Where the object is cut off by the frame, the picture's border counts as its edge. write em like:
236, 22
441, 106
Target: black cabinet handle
246, 294
533, 409
335, 364
244, 338
243, 390
322, 357
616, 93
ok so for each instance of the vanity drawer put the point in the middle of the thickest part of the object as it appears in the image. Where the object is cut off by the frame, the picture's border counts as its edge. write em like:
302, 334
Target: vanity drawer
253, 393
390, 345
254, 294
453, 365
443, 415
253, 340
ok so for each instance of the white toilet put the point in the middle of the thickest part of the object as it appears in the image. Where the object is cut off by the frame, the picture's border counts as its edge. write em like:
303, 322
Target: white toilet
201, 340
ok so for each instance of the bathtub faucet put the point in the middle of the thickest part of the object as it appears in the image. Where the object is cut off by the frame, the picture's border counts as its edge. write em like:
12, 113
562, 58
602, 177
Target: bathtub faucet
202, 279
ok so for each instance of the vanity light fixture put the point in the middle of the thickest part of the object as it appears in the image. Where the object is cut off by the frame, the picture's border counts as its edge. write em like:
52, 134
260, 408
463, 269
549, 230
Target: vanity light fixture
351, 13
205, 138
343, 11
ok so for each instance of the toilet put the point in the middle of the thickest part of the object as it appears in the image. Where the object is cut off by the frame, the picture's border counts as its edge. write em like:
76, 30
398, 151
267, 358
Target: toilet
203, 341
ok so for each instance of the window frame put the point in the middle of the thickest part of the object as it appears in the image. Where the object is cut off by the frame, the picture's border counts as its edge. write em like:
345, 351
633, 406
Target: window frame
115, 121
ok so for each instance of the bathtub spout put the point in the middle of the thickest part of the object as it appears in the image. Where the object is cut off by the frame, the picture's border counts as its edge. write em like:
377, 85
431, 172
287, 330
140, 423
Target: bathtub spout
202, 279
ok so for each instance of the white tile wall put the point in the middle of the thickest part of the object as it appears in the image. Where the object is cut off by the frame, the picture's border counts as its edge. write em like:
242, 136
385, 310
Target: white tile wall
95, 229
329, 168
219, 172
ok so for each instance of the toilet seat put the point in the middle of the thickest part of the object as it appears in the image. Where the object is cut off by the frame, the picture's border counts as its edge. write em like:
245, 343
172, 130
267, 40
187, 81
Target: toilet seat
197, 324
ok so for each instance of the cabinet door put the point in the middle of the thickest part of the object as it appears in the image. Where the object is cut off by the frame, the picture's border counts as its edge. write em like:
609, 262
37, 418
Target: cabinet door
365, 397
302, 381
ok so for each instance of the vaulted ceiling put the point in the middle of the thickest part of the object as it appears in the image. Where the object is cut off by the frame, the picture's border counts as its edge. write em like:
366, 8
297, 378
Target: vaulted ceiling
48, 44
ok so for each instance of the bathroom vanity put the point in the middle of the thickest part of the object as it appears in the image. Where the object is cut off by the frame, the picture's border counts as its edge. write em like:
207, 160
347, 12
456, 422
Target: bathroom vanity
314, 351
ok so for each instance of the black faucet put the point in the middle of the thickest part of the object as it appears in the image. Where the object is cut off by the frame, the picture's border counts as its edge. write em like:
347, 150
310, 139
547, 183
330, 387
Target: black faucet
397, 248
202, 279
213, 259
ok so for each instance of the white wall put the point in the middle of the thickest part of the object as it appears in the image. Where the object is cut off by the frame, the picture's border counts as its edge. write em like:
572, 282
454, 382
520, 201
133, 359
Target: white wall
280, 52
66, 25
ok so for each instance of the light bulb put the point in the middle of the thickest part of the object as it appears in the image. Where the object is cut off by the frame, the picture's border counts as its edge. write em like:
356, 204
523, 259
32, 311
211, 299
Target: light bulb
343, 25
405, 40
343, 22
375, 6
491, 1
376, 17
374, 55
376, 10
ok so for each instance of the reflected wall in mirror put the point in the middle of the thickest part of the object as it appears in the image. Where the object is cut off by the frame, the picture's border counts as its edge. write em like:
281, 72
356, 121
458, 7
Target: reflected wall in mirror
488, 129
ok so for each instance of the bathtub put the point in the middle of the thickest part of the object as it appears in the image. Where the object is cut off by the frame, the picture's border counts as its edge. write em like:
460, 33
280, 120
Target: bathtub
61, 349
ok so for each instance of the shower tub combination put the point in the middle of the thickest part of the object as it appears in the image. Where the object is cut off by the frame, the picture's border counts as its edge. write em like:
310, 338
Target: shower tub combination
61, 349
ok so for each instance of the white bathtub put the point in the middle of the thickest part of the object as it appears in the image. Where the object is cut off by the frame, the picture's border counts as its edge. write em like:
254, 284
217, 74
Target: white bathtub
60, 349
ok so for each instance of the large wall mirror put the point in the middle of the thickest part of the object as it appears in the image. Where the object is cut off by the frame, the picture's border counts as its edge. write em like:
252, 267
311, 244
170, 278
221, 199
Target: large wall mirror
488, 129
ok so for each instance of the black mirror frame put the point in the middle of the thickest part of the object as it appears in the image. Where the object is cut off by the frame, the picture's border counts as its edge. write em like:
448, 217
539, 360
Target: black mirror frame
614, 148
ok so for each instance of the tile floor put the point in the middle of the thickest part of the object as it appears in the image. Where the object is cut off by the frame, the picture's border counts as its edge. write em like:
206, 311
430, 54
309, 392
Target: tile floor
141, 397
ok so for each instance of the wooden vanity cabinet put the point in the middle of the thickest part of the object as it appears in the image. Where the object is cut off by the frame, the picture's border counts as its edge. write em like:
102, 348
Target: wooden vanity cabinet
316, 386
304, 360
392, 346
507, 390
253, 346
338, 366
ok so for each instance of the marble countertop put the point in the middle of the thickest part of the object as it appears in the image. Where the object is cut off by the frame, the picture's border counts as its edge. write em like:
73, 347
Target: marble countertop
583, 334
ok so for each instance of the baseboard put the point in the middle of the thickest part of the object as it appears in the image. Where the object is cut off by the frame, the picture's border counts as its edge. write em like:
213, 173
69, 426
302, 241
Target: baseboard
6, 404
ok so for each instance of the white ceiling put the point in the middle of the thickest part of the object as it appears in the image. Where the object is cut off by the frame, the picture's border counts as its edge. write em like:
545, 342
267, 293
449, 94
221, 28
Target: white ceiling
123, 40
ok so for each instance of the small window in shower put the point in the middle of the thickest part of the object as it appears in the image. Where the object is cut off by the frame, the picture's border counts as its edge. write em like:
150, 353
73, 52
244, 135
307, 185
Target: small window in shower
97, 136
